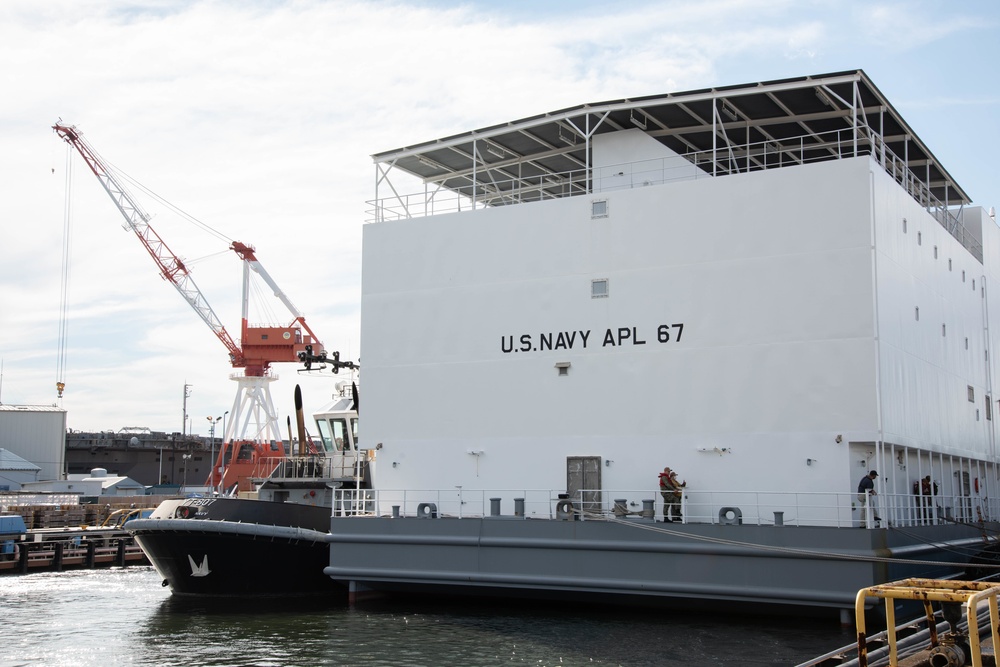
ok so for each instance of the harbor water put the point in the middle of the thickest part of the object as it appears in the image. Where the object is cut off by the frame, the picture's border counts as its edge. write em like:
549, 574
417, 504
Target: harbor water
124, 616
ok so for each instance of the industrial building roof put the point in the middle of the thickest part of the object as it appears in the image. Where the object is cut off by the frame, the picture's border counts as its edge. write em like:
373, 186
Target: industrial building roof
31, 408
11, 461
739, 128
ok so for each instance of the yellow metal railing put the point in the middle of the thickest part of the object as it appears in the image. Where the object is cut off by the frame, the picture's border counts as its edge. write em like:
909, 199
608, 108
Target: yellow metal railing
967, 593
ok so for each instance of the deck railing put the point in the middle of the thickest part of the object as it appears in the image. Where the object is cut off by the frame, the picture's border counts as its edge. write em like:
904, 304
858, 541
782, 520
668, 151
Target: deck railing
341, 465
734, 159
841, 509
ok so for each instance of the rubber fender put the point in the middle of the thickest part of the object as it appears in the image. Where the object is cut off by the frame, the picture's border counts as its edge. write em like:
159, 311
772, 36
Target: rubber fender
726, 520
427, 511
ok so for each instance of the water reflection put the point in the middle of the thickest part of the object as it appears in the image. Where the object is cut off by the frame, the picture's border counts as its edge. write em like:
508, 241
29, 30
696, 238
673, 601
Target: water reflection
124, 617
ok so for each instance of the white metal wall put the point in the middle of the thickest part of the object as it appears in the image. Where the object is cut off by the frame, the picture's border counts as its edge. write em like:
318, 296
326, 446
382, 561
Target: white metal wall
931, 302
770, 273
37, 435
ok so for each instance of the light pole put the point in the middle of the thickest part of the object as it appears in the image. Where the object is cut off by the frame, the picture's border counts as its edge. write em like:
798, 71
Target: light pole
223, 446
211, 476
186, 457
184, 421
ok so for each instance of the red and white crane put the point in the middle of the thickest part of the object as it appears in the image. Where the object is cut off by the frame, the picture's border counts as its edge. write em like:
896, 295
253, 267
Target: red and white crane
254, 421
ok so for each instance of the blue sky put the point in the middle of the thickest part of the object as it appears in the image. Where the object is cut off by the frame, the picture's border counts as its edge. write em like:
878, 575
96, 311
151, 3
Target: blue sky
259, 119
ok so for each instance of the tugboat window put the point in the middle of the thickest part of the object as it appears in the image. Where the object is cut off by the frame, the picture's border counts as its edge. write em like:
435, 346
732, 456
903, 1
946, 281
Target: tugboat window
342, 442
324, 432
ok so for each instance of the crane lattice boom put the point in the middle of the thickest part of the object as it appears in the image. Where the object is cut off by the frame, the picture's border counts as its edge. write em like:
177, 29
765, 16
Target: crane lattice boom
171, 266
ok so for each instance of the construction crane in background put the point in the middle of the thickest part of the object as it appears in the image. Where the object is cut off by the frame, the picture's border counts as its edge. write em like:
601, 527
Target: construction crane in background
253, 432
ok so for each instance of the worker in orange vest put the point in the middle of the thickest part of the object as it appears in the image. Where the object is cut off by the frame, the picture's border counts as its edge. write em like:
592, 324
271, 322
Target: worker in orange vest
671, 490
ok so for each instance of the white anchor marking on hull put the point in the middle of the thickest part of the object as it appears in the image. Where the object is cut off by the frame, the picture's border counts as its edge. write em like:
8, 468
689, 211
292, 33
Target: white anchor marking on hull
199, 570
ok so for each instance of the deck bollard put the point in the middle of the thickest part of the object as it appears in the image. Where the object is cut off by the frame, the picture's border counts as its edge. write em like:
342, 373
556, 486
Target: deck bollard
395, 511
91, 553
621, 507
494, 507
519, 507
648, 509
779, 518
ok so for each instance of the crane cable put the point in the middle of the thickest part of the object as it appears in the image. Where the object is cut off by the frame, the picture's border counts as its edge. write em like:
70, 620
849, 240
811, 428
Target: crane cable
176, 209
64, 285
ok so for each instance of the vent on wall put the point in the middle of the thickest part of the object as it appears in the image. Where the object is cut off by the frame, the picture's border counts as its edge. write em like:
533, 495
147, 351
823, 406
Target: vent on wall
599, 288
599, 208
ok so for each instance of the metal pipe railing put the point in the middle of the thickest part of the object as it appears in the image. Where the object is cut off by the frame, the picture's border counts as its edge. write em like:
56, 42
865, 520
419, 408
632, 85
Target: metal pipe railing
738, 158
697, 506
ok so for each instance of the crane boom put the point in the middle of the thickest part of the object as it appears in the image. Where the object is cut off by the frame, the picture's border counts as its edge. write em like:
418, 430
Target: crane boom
253, 415
171, 266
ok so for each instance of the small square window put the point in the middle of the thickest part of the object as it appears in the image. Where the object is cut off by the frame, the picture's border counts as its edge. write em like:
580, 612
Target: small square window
989, 408
599, 208
972, 394
599, 288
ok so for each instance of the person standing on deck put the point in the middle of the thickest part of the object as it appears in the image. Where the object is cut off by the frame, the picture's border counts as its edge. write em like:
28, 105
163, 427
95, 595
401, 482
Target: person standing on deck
866, 488
671, 490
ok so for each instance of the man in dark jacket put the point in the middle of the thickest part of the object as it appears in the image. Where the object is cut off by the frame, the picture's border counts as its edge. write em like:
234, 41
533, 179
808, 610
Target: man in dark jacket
866, 488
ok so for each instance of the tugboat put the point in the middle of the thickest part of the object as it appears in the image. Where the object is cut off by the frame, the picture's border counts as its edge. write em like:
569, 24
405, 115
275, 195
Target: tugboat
215, 546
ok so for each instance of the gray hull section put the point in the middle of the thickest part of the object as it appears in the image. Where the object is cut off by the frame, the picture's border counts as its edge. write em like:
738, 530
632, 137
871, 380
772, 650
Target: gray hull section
639, 560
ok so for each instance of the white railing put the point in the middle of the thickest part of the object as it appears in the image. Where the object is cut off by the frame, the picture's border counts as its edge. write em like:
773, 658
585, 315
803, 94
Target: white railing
342, 465
725, 160
840, 510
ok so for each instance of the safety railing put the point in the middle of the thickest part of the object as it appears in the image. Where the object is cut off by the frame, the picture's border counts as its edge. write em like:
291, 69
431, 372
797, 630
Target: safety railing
305, 468
488, 191
455, 502
841, 509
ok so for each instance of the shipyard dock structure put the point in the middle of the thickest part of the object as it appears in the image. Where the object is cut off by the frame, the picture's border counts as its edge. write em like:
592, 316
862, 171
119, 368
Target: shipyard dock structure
771, 288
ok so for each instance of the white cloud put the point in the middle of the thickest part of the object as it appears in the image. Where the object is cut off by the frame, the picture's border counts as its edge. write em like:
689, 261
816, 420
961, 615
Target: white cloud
259, 118
909, 26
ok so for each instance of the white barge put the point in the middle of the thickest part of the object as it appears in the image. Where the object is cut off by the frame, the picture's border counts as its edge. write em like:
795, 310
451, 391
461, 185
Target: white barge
772, 288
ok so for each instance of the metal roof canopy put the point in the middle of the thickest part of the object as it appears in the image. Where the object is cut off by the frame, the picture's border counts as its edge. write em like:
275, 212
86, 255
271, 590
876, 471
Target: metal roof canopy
789, 121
